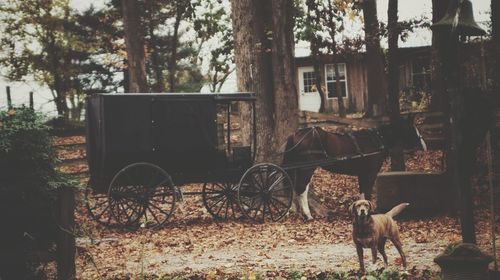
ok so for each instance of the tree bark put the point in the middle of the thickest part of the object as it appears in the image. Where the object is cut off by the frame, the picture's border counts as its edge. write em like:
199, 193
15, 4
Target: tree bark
438, 96
495, 32
397, 156
317, 73
242, 17
284, 73
134, 39
172, 64
377, 81
264, 57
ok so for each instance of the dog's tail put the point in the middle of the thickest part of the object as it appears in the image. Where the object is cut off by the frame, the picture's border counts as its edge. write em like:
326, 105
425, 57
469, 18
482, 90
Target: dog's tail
397, 209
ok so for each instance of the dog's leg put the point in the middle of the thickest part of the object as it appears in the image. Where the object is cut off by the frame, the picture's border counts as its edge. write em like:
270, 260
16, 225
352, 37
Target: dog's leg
359, 250
381, 249
374, 253
304, 203
397, 244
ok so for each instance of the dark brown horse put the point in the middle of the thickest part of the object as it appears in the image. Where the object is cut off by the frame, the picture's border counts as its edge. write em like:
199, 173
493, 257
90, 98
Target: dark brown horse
359, 153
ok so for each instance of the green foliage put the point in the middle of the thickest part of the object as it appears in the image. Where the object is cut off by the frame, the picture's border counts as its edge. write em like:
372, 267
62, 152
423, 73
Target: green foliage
27, 158
57, 47
213, 27
28, 179
320, 21
413, 99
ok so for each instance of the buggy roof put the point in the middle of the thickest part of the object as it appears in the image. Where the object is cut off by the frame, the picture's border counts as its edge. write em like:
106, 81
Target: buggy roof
236, 96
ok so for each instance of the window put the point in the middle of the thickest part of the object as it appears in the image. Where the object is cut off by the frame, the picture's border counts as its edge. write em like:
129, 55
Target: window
421, 73
331, 81
309, 80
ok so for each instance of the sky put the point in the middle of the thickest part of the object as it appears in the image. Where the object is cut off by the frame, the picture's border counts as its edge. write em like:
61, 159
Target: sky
408, 9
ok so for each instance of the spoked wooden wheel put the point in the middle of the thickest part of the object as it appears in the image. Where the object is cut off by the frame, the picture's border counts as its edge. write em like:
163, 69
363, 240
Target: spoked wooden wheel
141, 194
265, 192
220, 199
98, 207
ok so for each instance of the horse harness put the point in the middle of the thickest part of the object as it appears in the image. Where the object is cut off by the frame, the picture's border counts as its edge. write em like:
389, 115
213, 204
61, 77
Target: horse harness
373, 133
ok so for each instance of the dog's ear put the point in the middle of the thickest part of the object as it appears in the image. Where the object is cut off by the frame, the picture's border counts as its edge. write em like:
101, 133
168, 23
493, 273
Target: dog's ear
372, 206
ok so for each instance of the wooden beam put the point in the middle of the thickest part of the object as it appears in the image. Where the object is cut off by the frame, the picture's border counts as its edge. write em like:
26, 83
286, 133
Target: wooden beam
365, 123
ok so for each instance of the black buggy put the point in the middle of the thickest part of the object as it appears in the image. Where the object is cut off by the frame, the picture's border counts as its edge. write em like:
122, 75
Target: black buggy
142, 147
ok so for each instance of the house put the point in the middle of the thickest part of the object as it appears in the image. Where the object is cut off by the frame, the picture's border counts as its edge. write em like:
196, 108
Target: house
414, 73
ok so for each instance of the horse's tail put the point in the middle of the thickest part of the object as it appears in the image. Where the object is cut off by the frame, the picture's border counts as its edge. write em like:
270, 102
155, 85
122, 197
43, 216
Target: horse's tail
397, 209
288, 152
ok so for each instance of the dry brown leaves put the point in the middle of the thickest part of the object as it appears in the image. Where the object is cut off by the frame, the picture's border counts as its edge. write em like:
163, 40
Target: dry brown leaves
192, 231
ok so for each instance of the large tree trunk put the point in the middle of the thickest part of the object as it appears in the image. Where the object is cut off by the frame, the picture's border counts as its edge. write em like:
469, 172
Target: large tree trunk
284, 72
438, 97
397, 156
134, 39
242, 17
377, 81
266, 66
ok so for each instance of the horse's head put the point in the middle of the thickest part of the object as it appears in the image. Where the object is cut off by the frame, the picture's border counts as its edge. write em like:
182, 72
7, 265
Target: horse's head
404, 133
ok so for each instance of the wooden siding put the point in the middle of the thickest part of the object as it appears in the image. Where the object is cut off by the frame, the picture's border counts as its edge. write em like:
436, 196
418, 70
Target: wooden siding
356, 83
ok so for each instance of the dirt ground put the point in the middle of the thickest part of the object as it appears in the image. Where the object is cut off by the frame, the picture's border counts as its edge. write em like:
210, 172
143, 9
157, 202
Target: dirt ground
194, 242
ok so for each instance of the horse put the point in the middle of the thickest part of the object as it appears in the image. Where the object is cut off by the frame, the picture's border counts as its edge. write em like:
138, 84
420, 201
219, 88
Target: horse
359, 153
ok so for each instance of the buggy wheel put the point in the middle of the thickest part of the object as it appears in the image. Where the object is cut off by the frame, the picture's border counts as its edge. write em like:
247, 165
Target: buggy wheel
265, 192
221, 201
141, 194
98, 207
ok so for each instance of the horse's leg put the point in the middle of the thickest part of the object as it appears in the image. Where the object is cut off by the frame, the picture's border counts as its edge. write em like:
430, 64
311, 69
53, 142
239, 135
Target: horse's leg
368, 174
301, 189
366, 182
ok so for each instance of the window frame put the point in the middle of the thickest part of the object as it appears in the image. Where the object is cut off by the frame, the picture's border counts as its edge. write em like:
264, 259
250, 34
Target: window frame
343, 64
426, 74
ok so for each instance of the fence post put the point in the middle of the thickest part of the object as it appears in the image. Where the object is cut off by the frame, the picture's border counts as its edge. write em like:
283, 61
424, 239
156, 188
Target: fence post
32, 104
9, 99
66, 239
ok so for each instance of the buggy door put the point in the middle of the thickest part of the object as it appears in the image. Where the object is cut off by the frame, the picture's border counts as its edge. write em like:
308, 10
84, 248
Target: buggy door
184, 134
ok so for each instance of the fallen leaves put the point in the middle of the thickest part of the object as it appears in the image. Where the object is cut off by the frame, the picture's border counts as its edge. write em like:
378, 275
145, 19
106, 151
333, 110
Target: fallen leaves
193, 241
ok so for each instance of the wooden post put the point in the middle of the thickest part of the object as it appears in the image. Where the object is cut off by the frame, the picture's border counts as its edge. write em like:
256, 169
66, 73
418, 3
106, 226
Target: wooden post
66, 240
9, 99
32, 104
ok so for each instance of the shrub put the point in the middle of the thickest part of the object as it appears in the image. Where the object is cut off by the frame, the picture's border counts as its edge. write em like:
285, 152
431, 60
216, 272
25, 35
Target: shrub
28, 179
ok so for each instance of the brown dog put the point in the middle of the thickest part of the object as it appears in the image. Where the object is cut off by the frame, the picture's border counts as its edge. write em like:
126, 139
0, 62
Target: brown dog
371, 231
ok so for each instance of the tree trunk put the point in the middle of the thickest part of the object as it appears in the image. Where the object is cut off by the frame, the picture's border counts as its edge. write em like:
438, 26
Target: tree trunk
438, 96
317, 73
159, 85
284, 72
338, 89
172, 63
397, 156
266, 66
377, 83
134, 39
495, 32
242, 17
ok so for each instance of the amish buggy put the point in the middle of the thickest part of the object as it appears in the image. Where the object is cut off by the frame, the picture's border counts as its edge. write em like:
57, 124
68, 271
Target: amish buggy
142, 147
